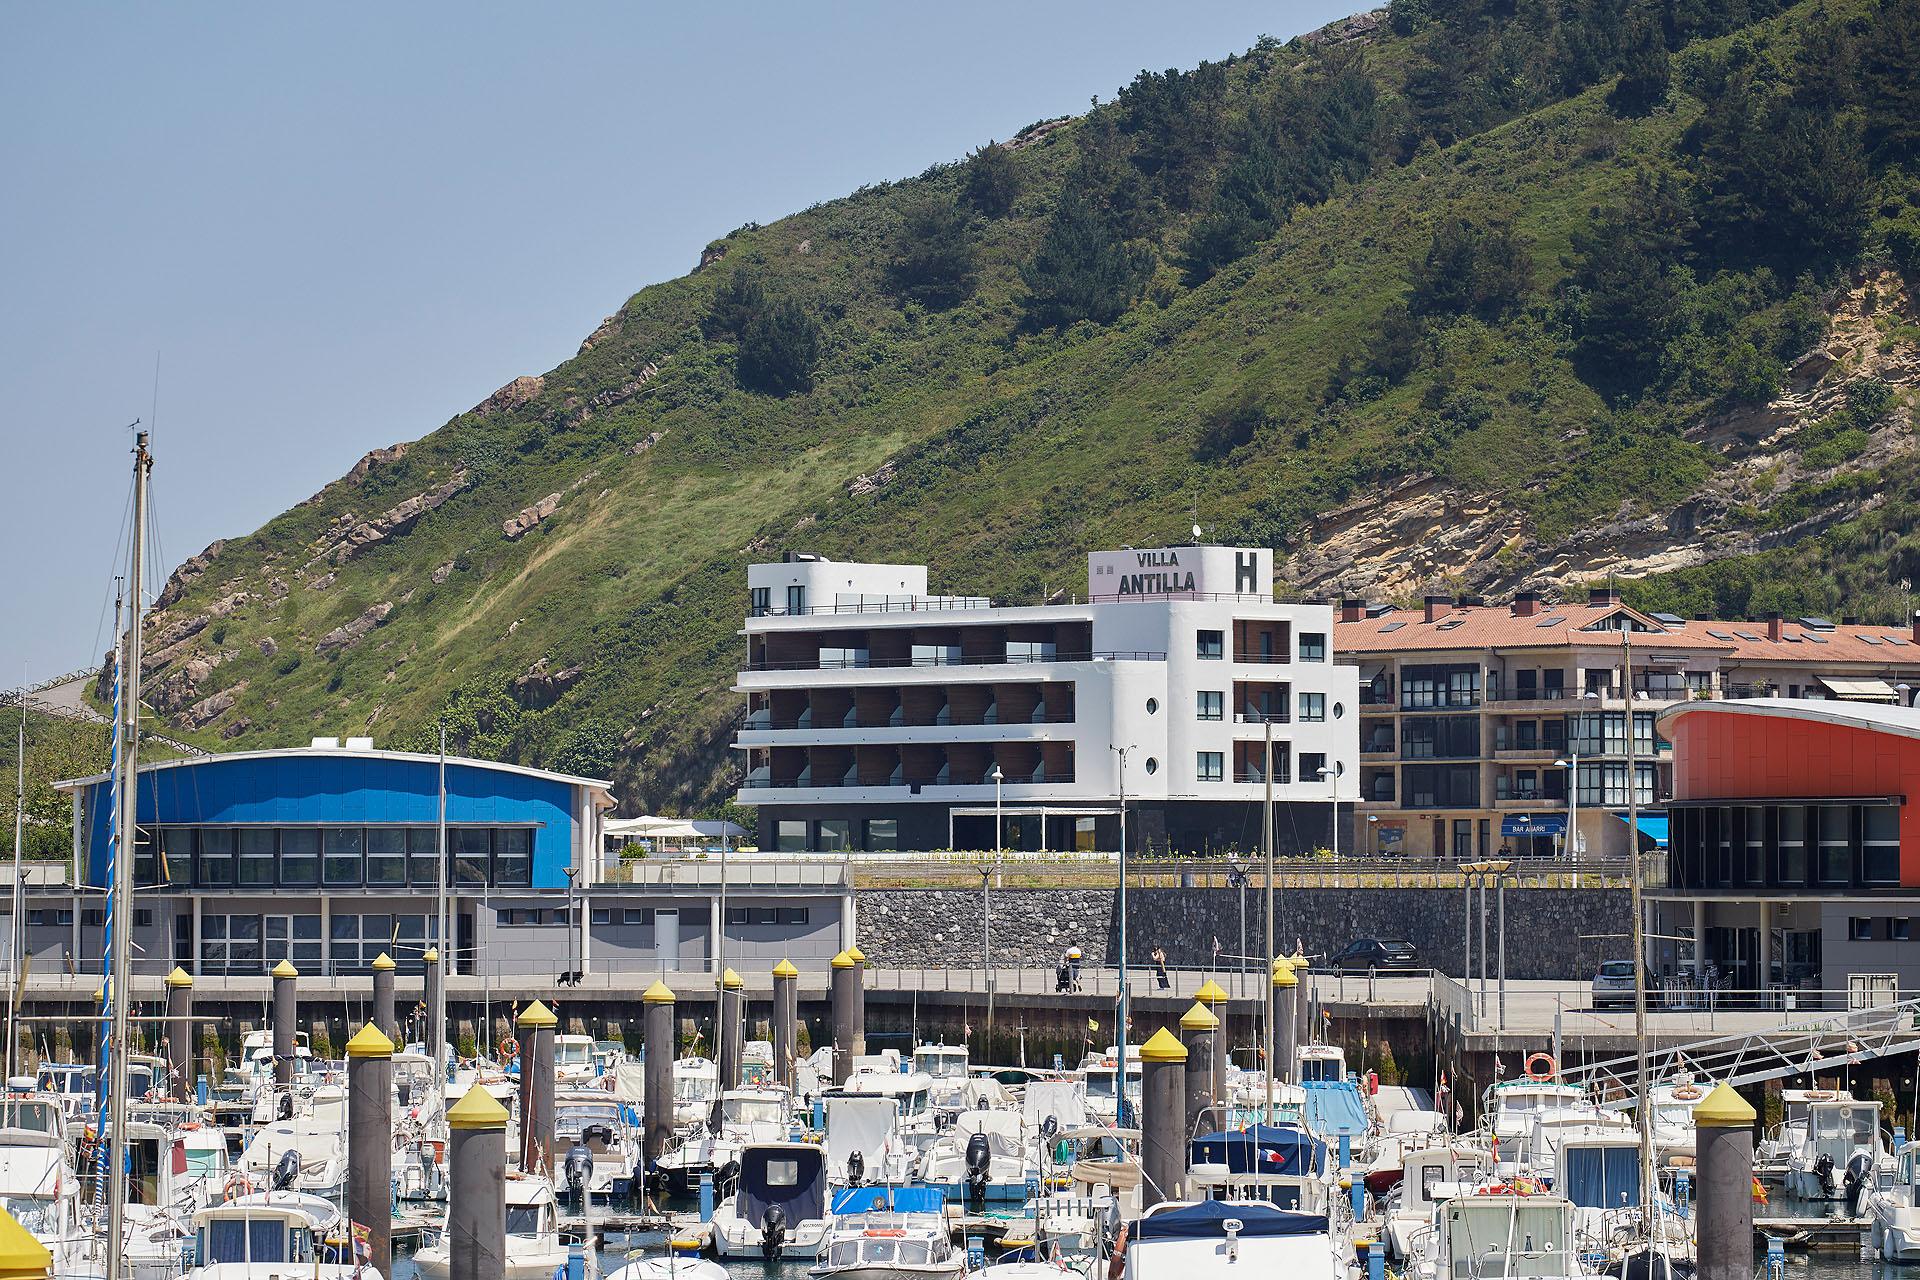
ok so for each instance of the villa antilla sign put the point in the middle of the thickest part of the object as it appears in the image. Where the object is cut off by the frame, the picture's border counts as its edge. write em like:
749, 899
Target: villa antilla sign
1175, 571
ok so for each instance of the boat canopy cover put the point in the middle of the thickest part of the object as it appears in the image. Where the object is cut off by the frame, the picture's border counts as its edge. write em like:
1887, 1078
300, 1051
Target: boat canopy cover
872, 1199
1333, 1108
1207, 1219
1261, 1149
1064, 1100
791, 1175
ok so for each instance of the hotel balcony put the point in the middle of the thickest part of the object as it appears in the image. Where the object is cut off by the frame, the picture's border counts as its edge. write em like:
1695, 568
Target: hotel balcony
906, 768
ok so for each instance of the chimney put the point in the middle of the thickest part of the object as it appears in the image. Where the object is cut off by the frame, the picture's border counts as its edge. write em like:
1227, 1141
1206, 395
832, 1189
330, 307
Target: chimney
1526, 604
1473, 602
1352, 608
1776, 629
1849, 619
1437, 606
1915, 626
1602, 596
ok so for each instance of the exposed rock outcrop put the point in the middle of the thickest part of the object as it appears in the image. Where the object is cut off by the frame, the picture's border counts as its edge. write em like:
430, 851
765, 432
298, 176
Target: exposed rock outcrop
608, 327
622, 393
512, 396
351, 633
207, 710
190, 568
540, 688
391, 523
880, 478
527, 517
651, 439
442, 572
376, 458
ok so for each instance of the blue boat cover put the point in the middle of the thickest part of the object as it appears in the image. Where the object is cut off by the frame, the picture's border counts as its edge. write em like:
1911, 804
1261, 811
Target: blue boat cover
873, 1199
1261, 1149
1333, 1108
1206, 1220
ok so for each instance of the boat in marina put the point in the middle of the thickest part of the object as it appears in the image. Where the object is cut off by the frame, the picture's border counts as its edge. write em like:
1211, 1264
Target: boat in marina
946, 1067
1269, 1164
981, 1158
270, 1235
779, 1207
1831, 1143
37, 1183
1206, 1239
534, 1250
305, 1152
1098, 1070
1894, 1208
743, 1117
888, 1233
1430, 1175
1499, 1233
695, 1081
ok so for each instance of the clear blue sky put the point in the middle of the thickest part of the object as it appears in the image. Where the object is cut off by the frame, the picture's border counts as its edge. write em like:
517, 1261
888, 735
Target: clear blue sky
339, 225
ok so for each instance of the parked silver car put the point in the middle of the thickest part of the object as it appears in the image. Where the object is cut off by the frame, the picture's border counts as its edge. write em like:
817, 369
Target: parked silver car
1613, 984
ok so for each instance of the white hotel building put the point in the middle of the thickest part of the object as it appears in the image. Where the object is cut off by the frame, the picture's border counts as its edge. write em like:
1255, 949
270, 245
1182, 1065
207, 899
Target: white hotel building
877, 713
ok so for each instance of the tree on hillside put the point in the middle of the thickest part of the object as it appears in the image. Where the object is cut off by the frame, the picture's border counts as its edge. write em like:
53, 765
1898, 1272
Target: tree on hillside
1890, 82
933, 259
778, 350
990, 181
1472, 268
1626, 269
1083, 270
1177, 120
738, 299
1645, 76
1252, 201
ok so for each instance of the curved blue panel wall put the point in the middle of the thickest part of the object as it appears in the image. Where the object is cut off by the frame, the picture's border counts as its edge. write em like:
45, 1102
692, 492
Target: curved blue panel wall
349, 790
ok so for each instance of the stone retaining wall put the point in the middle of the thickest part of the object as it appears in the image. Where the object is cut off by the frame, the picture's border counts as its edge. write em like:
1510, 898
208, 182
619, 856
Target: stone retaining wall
1551, 933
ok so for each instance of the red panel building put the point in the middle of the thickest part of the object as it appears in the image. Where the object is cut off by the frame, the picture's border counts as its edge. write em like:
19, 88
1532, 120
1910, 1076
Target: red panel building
1794, 854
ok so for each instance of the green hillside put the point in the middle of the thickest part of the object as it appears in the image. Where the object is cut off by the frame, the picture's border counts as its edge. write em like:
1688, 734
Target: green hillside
1620, 285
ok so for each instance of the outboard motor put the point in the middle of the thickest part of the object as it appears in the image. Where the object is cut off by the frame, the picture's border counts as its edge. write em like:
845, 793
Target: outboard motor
286, 1169
1859, 1178
979, 1161
726, 1179
284, 1109
856, 1168
773, 1234
1823, 1170
600, 1134
579, 1168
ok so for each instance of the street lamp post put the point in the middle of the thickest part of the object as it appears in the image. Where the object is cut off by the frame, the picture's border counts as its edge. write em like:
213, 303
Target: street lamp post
1499, 868
986, 900
1332, 775
573, 963
1572, 765
1120, 1078
1373, 835
1240, 875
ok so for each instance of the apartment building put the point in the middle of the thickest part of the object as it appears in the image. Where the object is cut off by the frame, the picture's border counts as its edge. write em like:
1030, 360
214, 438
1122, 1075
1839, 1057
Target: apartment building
1491, 728
881, 716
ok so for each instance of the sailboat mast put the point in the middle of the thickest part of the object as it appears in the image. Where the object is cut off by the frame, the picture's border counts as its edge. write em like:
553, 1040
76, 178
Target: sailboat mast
437, 1033
1647, 1183
14, 933
119, 986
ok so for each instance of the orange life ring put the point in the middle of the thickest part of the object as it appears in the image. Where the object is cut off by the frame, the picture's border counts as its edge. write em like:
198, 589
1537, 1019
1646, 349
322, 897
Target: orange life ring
1546, 1072
1687, 1092
884, 1231
509, 1048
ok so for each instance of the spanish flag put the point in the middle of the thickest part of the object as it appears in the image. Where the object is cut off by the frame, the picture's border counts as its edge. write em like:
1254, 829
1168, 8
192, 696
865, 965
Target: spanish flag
1759, 1192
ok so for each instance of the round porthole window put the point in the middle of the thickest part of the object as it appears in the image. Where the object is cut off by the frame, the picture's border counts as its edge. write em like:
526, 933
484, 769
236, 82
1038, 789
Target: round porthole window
1339, 709
1153, 766
1153, 707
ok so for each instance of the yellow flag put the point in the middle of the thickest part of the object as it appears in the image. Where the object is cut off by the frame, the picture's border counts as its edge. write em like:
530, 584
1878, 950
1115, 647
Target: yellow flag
1092, 1025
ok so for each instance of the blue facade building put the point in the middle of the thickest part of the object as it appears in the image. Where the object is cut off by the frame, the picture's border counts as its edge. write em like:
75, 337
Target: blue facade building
327, 855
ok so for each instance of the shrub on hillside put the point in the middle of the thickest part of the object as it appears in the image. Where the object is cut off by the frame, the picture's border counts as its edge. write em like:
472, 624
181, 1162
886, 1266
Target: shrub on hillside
933, 261
1082, 270
1472, 268
990, 181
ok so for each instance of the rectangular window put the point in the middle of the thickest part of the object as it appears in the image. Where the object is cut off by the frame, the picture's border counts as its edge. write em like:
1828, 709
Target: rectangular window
796, 599
178, 844
343, 851
836, 835
1880, 845
472, 847
1463, 837
883, 834
93, 917
1440, 738
1835, 863
386, 856
1313, 708
603, 915
760, 599
143, 918
795, 915
790, 835
243, 941
423, 851
1756, 834
1900, 929
1793, 846
257, 848
1210, 704
636, 915
1210, 766
299, 856
306, 940
1211, 645
739, 916
1859, 928
1311, 763
1313, 646
513, 857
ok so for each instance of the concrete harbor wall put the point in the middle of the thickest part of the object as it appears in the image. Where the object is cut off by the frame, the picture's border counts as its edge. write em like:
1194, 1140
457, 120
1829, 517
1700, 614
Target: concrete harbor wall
1551, 933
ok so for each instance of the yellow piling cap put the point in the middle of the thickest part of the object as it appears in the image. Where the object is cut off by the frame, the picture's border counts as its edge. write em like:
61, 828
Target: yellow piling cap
1163, 1046
382, 962
432, 956
1210, 993
855, 954
1298, 959
732, 981
179, 978
370, 1042
285, 969
1283, 976
477, 1110
843, 961
1724, 1108
658, 993
1198, 1018
537, 1015
785, 969
100, 992
21, 1255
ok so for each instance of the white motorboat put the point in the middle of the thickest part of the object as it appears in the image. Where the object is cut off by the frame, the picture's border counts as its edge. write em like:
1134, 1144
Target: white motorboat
1895, 1208
1671, 1119
945, 1065
1429, 1175
982, 1158
1207, 1239
1268, 1164
1499, 1235
675, 1264
1320, 1062
863, 1142
908, 1241
534, 1249
272, 1235
1597, 1169
590, 1119
695, 1081
1098, 1071
1840, 1149
779, 1207
307, 1152
1510, 1108
574, 1064
911, 1091
37, 1186
744, 1116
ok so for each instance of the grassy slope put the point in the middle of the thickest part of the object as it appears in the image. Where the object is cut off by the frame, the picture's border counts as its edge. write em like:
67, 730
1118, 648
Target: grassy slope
1012, 454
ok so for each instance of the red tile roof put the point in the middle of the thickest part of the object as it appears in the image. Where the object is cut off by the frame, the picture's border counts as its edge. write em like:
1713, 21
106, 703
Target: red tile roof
1798, 644
1497, 627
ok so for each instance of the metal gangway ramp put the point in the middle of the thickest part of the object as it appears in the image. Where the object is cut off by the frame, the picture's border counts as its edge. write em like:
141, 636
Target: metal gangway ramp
1796, 1046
